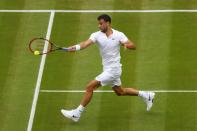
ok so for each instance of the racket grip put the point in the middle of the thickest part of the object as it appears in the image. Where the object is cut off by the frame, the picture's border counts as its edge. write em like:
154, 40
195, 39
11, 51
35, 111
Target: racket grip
64, 48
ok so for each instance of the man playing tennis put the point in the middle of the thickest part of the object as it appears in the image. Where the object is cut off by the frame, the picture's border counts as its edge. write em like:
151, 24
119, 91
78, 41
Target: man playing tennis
109, 41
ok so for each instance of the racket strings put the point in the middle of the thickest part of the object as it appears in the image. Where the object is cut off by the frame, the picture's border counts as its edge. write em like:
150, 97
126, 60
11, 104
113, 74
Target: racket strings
39, 45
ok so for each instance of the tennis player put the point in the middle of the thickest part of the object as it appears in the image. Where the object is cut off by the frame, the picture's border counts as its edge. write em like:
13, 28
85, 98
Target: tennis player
108, 41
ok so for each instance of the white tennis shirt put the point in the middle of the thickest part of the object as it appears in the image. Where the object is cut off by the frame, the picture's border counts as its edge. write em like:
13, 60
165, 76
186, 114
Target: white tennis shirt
109, 47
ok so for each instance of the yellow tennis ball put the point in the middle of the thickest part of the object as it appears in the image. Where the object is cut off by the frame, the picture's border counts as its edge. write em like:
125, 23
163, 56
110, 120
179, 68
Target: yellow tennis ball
36, 52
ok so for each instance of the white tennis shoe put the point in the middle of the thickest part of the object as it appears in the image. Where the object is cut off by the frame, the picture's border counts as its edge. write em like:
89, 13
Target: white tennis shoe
71, 114
149, 100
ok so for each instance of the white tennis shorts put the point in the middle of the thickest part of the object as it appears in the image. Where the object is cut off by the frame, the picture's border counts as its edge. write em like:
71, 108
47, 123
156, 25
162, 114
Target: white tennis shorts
110, 77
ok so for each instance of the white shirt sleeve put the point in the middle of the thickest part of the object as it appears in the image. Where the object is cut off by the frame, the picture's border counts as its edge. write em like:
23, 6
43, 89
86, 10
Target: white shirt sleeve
93, 37
123, 38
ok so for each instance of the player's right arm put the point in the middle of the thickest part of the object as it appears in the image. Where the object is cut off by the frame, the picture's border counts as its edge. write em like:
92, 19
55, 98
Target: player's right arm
80, 46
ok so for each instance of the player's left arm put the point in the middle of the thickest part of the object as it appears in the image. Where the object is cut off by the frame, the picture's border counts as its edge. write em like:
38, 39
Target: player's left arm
128, 45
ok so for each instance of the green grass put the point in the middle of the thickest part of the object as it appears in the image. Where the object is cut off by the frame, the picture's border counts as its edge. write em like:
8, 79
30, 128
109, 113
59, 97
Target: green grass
109, 112
165, 59
99, 4
19, 68
149, 67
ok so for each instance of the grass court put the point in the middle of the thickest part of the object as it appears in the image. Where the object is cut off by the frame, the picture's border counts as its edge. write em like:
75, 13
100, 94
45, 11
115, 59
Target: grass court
165, 61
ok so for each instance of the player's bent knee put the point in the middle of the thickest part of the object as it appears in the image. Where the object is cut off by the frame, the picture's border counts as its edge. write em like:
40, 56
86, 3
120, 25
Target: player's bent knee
119, 93
92, 85
89, 89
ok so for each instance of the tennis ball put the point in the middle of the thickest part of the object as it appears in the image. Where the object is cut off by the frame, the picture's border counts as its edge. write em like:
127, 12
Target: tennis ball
36, 52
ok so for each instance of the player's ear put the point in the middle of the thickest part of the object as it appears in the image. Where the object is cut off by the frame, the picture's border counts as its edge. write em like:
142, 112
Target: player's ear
108, 23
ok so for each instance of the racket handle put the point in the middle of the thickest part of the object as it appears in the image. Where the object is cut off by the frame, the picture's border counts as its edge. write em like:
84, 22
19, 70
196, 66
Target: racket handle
64, 48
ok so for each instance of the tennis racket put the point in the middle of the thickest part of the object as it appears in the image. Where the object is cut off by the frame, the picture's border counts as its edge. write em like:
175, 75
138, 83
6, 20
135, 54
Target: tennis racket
38, 46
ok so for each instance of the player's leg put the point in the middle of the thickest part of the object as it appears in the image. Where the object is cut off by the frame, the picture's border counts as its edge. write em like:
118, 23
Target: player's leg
76, 113
120, 91
148, 97
92, 85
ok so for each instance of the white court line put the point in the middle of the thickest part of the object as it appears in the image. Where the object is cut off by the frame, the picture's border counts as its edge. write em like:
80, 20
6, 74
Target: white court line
104, 91
97, 11
42, 63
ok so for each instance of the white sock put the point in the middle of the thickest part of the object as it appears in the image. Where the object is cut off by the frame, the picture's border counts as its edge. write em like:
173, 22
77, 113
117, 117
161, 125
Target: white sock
80, 109
142, 94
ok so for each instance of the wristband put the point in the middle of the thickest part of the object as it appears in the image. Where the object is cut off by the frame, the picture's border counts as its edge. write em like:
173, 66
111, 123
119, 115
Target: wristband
77, 47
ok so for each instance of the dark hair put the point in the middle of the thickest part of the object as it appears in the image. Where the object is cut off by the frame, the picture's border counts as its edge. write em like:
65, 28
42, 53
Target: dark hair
105, 17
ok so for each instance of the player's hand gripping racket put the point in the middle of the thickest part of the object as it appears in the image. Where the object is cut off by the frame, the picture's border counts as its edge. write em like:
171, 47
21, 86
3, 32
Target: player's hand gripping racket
38, 46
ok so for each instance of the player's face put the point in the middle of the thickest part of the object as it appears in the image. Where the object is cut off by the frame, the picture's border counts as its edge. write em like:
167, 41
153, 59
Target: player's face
103, 26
